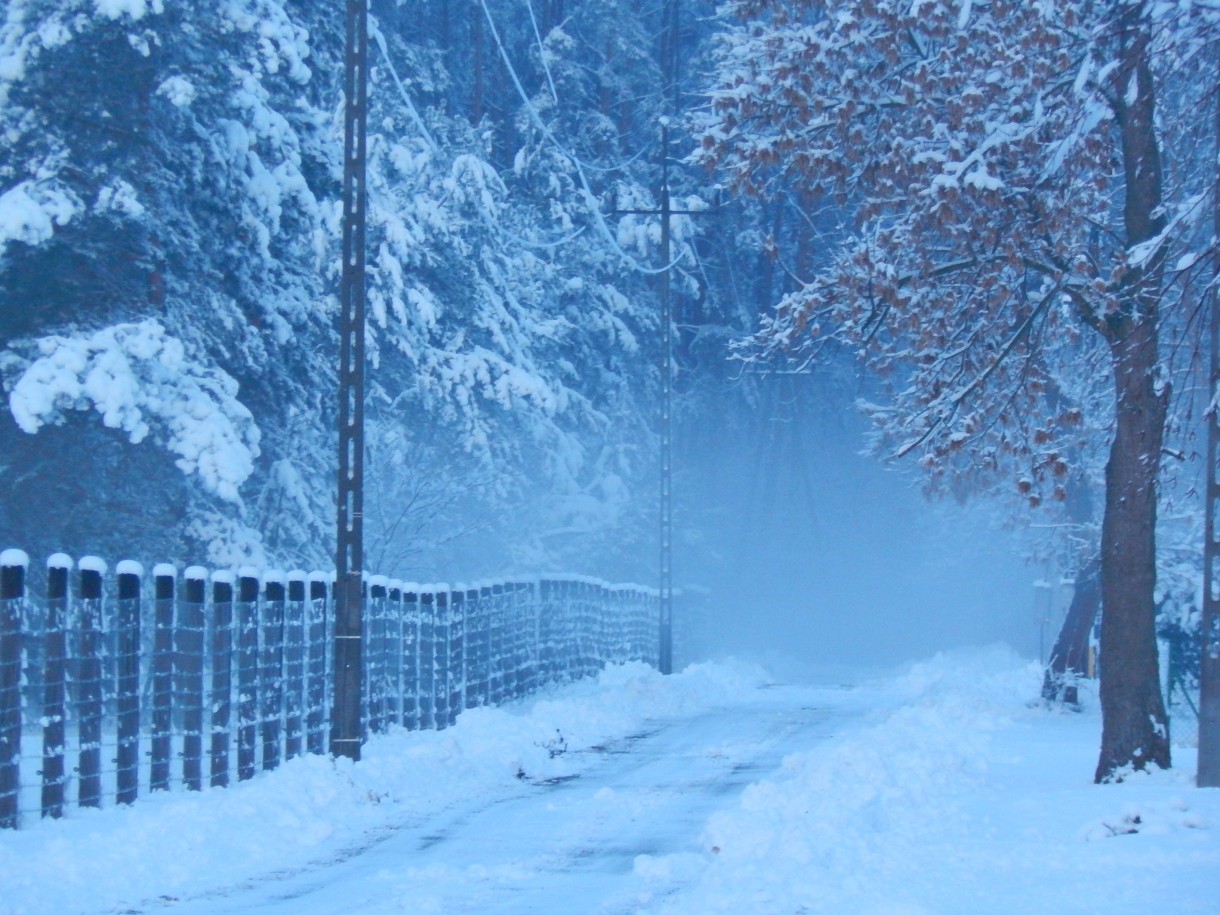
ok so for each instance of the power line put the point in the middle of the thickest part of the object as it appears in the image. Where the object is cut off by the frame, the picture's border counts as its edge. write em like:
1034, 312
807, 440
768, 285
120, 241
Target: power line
589, 198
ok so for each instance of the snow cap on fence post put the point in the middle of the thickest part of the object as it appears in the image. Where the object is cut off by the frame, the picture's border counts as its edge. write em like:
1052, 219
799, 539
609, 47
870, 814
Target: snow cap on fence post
59, 565
296, 585
92, 568
222, 586
129, 573
274, 588
196, 581
248, 582
318, 582
165, 576
13, 565
10, 558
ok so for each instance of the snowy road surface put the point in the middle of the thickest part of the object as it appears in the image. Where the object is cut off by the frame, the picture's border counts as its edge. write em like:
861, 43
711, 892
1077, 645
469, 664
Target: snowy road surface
562, 845
943, 790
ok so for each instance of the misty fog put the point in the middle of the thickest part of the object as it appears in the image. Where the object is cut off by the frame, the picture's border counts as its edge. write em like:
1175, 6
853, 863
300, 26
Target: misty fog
797, 549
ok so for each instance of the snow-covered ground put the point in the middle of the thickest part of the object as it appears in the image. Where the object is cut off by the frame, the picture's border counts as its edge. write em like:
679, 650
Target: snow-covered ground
941, 789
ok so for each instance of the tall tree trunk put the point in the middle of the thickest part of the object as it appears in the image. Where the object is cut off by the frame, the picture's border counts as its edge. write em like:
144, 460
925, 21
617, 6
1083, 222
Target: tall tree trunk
1208, 772
1135, 729
1070, 656
1069, 659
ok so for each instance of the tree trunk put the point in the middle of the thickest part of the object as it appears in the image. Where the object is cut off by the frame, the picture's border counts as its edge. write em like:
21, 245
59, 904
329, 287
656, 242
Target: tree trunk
1208, 772
1070, 657
1135, 729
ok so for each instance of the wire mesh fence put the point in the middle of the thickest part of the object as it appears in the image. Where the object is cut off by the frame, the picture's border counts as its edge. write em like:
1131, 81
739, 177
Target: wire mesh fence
126, 684
1179, 656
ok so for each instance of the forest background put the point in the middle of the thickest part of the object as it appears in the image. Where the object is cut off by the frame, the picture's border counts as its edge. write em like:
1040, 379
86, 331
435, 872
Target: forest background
169, 225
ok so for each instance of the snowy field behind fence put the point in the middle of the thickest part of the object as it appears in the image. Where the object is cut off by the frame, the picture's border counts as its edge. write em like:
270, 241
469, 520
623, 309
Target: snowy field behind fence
127, 683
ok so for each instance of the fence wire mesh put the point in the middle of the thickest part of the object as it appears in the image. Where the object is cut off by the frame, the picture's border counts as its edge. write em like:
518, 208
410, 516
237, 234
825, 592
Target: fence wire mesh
112, 686
1179, 654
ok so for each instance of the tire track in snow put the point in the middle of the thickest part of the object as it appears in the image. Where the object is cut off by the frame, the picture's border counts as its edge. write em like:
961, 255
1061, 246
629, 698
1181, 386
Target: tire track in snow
565, 845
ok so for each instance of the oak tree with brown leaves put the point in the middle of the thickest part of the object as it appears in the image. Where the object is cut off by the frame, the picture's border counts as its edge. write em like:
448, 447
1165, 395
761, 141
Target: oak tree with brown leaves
994, 231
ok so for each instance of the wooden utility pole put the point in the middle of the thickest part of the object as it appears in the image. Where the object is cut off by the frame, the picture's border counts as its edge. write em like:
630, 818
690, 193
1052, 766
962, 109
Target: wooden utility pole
666, 212
346, 732
666, 655
671, 44
666, 584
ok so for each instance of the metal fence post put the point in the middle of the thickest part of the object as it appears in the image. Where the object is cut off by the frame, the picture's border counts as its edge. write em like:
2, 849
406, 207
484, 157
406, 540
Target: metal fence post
127, 680
189, 652
246, 622
55, 687
441, 634
427, 658
457, 652
88, 679
13, 565
294, 664
222, 675
411, 657
316, 666
164, 580
375, 671
271, 666
396, 629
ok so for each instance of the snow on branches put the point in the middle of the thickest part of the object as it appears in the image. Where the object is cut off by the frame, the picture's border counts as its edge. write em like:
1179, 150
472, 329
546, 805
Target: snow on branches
973, 149
1000, 258
140, 381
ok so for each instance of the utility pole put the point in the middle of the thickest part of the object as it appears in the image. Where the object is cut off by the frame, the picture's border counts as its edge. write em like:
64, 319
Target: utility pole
666, 588
666, 656
346, 731
671, 40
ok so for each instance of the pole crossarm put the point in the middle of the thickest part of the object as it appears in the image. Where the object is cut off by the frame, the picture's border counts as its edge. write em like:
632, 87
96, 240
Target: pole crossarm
712, 211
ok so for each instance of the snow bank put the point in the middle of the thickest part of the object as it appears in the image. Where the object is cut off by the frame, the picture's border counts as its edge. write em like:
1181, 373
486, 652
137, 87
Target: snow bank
182, 843
957, 796
944, 791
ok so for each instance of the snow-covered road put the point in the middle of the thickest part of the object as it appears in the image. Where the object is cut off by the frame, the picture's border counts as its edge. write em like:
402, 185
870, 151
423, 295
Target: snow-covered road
941, 790
565, 844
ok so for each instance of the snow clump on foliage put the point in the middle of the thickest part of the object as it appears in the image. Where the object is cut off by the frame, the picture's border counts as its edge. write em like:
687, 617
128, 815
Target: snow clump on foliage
140, 380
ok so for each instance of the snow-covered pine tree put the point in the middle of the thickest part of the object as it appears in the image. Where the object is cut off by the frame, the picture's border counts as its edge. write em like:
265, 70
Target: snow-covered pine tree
170, 226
